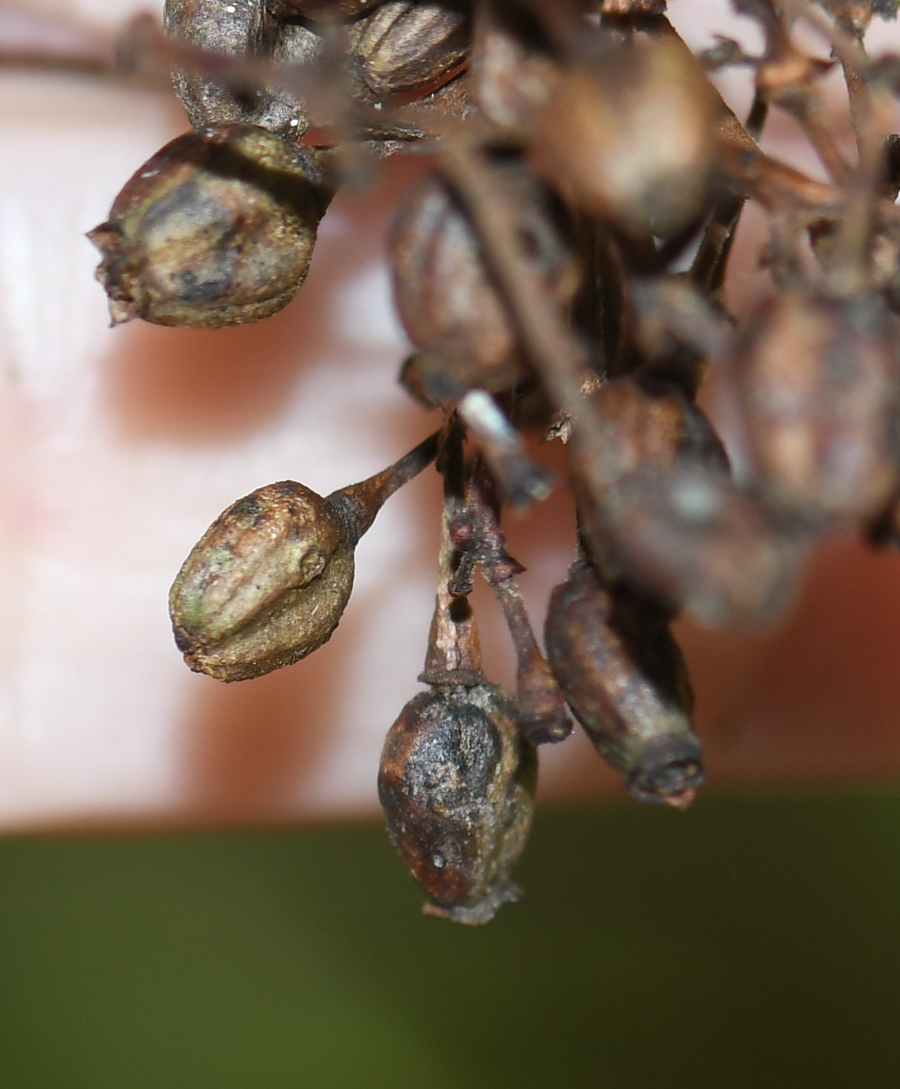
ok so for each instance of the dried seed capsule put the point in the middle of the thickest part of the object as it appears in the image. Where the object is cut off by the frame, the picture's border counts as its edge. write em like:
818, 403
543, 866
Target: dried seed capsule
243, 29
625, 680
513, 70
819, 397
456, 784
446, 297
264, 586
216, 229
654, 424
268, 581
693, 541
629, 134
651, 423
407, 45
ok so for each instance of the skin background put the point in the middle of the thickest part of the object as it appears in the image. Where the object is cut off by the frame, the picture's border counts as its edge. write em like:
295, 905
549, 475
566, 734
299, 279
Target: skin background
749, 942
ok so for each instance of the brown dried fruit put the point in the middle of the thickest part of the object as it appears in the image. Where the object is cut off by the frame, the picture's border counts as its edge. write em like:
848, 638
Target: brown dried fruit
625, 679
264, 586
216, 229
446, 296
653, 424
244, 29
819, 386
268, 581
408, 45
513, 70
456, 784
693, 540
326, 10
628, 134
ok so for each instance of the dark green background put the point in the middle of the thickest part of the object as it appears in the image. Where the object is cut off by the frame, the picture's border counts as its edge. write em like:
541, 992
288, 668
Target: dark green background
750, 942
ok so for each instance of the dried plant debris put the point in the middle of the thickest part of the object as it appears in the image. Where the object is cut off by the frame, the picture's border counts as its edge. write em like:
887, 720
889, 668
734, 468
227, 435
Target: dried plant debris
580, 148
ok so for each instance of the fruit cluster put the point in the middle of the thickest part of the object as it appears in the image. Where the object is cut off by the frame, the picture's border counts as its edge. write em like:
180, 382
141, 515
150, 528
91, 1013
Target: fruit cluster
560, 270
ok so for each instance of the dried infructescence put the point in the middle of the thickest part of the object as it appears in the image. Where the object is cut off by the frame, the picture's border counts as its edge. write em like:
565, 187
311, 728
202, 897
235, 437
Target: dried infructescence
581, 151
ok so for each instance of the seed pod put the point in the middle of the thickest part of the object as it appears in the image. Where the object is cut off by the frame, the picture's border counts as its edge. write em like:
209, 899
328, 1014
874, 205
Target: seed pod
407, 45
268, 581
513, 70
446, 297
456, 784
264, 586
243, 29
628, 133
819, 398
653, 424
624, 677
692, 540
216, 229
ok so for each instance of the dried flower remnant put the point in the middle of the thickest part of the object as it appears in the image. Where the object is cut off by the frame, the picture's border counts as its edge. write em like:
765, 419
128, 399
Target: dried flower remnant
625, 680
269, 580
217, 229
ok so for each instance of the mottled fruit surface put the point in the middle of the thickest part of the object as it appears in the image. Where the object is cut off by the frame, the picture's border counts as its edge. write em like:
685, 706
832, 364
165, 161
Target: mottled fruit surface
629, 133
216, 229
456, 784
264, 586
245, 29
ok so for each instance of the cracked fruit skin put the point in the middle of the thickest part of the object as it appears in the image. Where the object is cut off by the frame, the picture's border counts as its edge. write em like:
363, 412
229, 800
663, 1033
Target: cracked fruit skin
457, 784
216, 229
264, 586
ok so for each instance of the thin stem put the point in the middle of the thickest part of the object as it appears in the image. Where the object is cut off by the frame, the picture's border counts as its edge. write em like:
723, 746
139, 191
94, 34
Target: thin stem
454, 653
521, 481
558, 357
845, 46
711, 261
542, 714
359, 504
